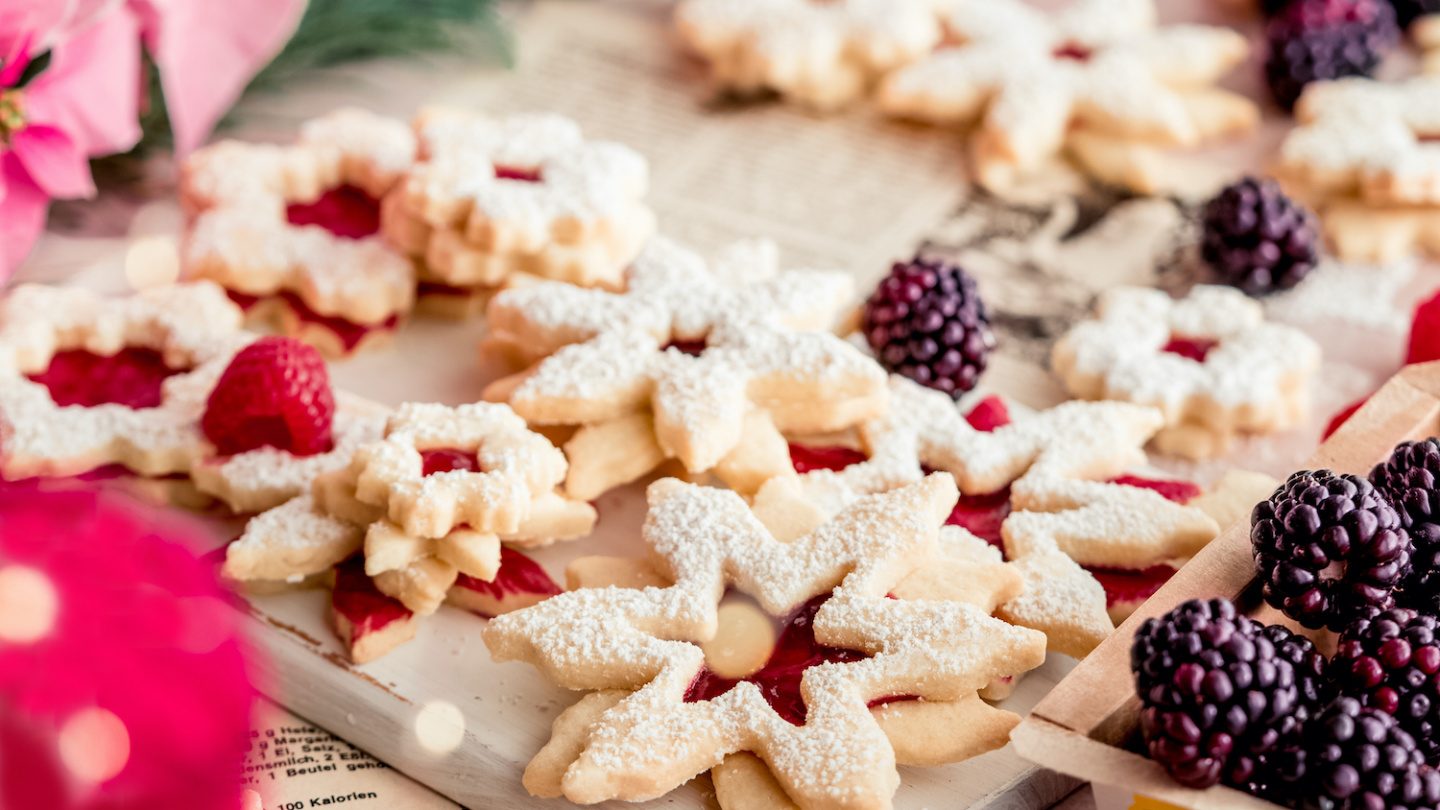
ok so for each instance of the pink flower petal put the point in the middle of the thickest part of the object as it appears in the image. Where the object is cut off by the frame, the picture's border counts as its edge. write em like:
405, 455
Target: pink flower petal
91, 90
208, 51
53, 161
22, 214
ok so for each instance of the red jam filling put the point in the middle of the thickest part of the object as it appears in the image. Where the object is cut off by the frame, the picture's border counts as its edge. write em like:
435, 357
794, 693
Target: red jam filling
694, 348
131, 378
518, 173
796, 650
447, 460
1073, 51
518, 575
349, 333
345, 211
983, 514
362, 604
1196, 349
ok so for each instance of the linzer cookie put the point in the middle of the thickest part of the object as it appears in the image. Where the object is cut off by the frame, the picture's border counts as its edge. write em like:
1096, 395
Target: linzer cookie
1363, 155
89, 383
1056, 490
824, 55
853, 684
427, 506
1209, 362
1099, 81
702, 362
491, 198
292, 230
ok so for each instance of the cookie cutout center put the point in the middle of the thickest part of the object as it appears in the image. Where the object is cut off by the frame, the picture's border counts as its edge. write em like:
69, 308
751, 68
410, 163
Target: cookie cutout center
693, 347
1190, 348
133, 377
519, 174
520, 582
1073, 51
794, 650
448, 459
346, 211
359, 602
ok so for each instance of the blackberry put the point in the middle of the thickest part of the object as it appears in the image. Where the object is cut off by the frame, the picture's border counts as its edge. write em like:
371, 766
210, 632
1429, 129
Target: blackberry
1411, 479
1280, 769
1359, 758
926, 321
1215, 692
1315, 40
1392, 663
1329, 548
1257, 239
1408, 11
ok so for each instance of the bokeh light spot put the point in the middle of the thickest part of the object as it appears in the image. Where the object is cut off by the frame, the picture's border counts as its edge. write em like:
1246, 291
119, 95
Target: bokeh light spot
439, 727
28, 604
94, 745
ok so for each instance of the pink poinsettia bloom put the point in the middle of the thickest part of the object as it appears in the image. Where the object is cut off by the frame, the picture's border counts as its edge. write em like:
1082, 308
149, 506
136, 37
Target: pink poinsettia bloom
84, 104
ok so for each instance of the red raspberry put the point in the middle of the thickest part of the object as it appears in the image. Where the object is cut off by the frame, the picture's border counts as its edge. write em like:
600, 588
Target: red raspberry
276, 393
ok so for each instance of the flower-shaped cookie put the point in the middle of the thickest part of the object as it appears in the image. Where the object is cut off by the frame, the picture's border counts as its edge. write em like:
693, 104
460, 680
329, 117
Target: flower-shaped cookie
291, 230
694, 362
465, 479
1058, 480
825, 55
492, 197
1364, 156
1099, 79
88, 381
660, 712
1209, 361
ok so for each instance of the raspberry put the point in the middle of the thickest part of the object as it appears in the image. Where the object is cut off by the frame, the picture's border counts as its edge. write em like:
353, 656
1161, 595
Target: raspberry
1257, 239
1329, 548
1316, 40
276, 393
1424, 344
926, 321
1359, 758
1392, 663
1411, 479
1216, 693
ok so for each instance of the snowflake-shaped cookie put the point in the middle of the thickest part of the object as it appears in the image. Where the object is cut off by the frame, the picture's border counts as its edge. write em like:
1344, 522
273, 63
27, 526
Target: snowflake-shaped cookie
824, 55
1099, 77
259, 479
1064, 513
294, 225
88, 381
1209, 361
646, 730
703, 363
493, 197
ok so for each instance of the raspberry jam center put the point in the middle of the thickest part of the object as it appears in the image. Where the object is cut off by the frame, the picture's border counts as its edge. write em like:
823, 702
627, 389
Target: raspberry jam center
518, 576
1073, 51
132, 377
518, 173
1196, 349
448, 459
795, 651
356, 598
694, 348
347, 211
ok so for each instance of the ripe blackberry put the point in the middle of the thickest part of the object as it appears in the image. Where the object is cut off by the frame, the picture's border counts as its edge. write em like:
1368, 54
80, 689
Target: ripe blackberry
1215, 692
1411, 479
1408, 11
1360, 759
1257, 239
1392, 663
926, 321
1329, 548
1315, 40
